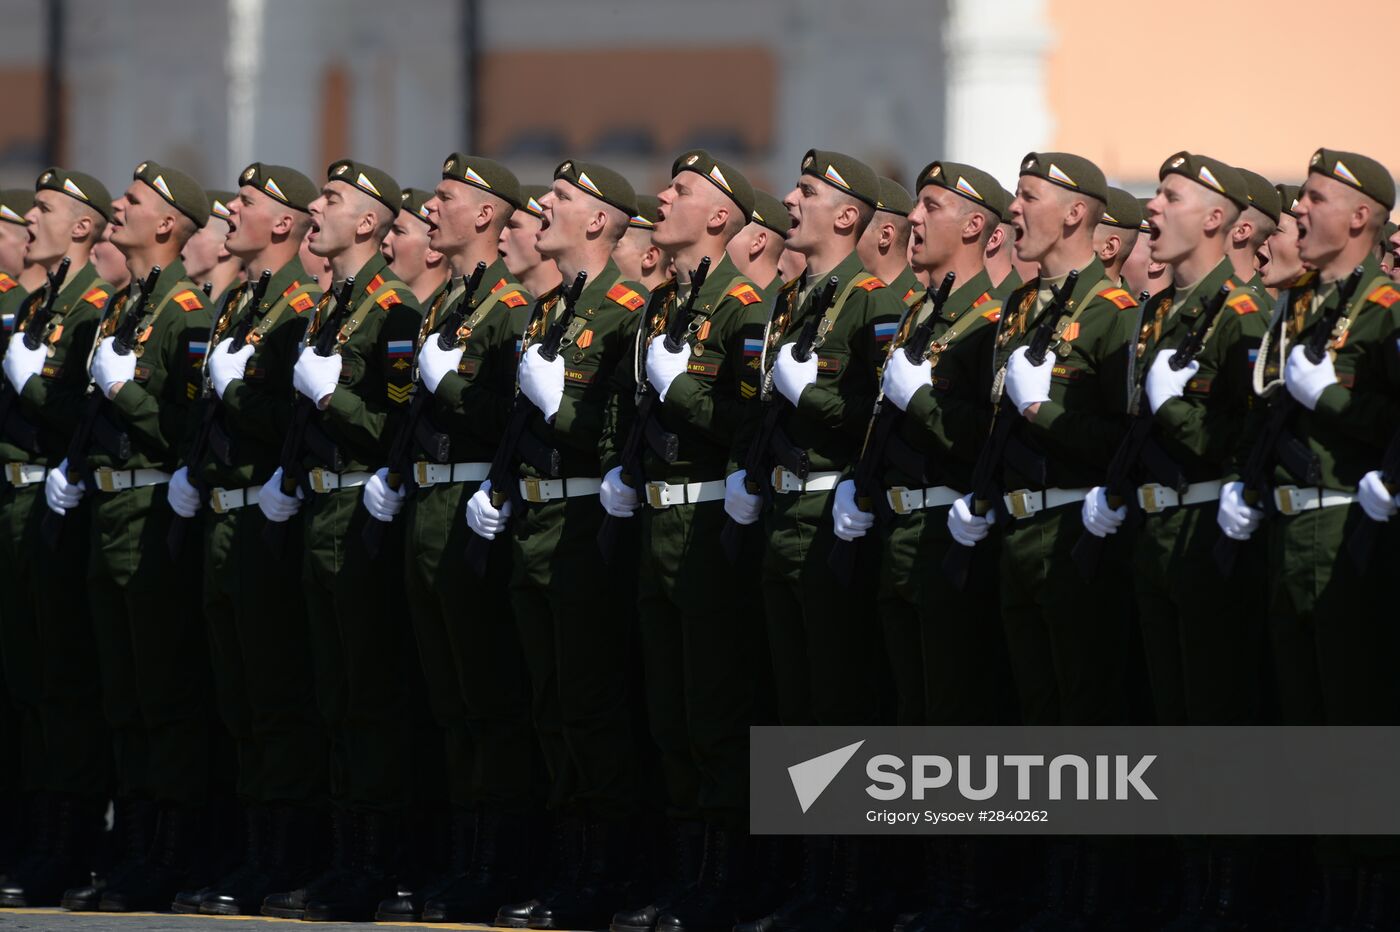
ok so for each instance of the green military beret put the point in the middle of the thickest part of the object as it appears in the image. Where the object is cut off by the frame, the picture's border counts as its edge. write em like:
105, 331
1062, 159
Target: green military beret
1072, 172
1263, 196
178, 189
894, 198
281, 183
1288, 198
78, 186
601, 182
530, 195
1123, 210
415, 200
972, 183
218, 204
1389, 230
14, 204
721, 174
768, 211
844, 173
1209, 173
484, 174
1144, 226
1361, 172
377, 184
647, 212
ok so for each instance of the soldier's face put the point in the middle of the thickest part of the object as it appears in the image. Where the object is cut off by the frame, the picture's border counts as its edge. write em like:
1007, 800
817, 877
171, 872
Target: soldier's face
516, 243
1176, 218
812, 205
1140, 271
452, 215
936, 224
406, 246
686, 210
204, 250
1037, 216
318, 267
136, 217
630, 252
108, 260
13, 239
334, 217
251, 217
1325, 211
1279, 261
51, 223
567, 214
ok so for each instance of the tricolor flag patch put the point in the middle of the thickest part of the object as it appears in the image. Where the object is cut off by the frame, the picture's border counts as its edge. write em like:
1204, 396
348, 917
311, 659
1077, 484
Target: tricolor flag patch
160, 185
718, 178
368, 185
10, 215
587, 184
200, 349
885, 332
271, 187
470, 174
966, 187
753, 348
1209, 178
835, 178
1056, 174
8, 321
76, 191
399, 349
534, 206
220, 209
1344, 173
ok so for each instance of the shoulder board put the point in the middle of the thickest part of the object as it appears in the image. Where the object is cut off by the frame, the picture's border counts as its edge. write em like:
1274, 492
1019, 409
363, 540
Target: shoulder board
96, 297
188, 300
6, 283
498, 286
513, 299
1385, 295
388, 299
870, 284
302, 303
375, 284
983, 299
1242, 303
745, 293
290, 288
626, 296
1119, 297
993, 313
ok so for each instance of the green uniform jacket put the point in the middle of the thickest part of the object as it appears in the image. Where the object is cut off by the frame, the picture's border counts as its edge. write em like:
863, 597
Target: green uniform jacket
12, 295
155, 407
1079, 428
704, 404
376, 375
597, 363
52, 403
254, 413
1200, 429
948, 421
472, 404
1010, 283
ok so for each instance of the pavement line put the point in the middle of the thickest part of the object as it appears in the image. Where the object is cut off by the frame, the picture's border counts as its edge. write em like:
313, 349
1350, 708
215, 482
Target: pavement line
456, 927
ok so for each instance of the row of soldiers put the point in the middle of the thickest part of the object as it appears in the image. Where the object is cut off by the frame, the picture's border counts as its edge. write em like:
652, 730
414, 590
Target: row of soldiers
352, 503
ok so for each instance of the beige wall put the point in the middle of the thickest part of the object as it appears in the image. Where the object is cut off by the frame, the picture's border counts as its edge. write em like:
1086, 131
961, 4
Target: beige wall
1281, 79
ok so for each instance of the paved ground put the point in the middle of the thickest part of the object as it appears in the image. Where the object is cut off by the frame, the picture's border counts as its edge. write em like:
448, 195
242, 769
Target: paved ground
54, 920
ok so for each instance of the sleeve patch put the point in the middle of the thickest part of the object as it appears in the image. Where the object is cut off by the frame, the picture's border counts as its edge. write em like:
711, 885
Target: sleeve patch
6, 283
1071, 332
302, 303
96, 297
870, 284
398, 394
746, 295
1242, 304
1385, 295
625, 296
1119, 297
388, 299
189, 301
885, 332
514, 299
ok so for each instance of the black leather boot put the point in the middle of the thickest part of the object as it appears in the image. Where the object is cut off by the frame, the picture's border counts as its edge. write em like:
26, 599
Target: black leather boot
1060, 893
566, 862
64, 839
680, 869
136, 825
603, 882
713, 902
254, 835
806, 904
292, 903
497, 873
415, 892
355, 894
283, 860
152, 885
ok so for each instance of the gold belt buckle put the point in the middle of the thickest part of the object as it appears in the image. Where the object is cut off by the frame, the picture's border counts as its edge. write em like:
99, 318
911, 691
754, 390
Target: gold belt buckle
1149, 498
1283, 498
896, 500
15, 473
1019, 502
216, 501
420, 472
318, 480
656, 495
530, 490
776, 480
105, 477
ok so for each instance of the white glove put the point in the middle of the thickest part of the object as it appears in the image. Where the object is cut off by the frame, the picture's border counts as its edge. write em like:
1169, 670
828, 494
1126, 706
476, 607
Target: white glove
791, 376
109, 368
619, 499
434, 362
1376, 500
59, 492
1306, 379
382, 502
482, 517
22, 363
850, 522
542, 382
738, 503
967, 528
224, 366
1165, 383
183, 497
1234, 516
663, 365
1026, 384
275, 506
1099, 519
903, 379
316, 376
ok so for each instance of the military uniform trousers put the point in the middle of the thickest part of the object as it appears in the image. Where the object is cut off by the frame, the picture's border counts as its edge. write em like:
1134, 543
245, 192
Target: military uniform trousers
1203, 635
361, 651
469, 648
699, 668
49, 650
1068, 640
577, 623
827, 651
946, 647
262, 658
153, 651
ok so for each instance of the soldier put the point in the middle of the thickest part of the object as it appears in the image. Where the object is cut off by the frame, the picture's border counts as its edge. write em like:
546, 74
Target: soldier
1001, 259
758, 248
517, 244
257, 623
476, 681
48, 640
1066, 657
884, 246
1141, 272
825, 669
946, 672
1392, 245
206, 258
576, 649
1331, 658
699, 700
1254, 227
1117, 233
406, 248
1385, 253
17, 276
637, 256
152, 659
1280, 266
359, 393
791, 264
